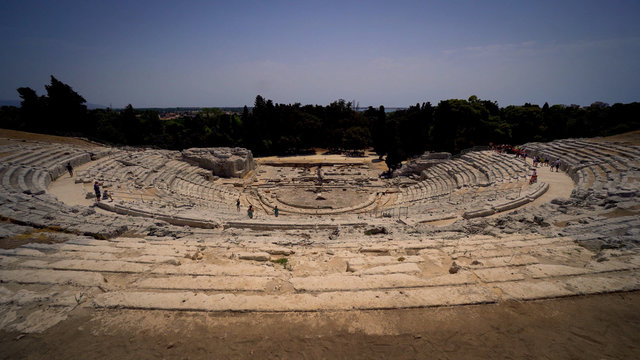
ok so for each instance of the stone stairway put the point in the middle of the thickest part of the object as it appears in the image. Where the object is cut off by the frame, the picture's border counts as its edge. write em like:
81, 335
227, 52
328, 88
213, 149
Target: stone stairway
241, 272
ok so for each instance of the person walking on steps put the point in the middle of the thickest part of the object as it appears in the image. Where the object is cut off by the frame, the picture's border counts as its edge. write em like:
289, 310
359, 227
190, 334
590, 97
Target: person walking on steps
275, 211
534, 177
250, 212
70, 169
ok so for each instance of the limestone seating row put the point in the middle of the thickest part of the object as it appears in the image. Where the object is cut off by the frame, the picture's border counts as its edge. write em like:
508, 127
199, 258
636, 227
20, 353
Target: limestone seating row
120, 163
455, 202
138, 170
598, 178
466, 175
39, 169
512, 168
154, 212
109, 169
24, 154
186, 179
630, 223
472, 170
533, 193
35, 156
44, 211
459, 173
50, 158
24, 199
619, 163
380, 282
497, 167
595, 169
100, 167
570, 162
616, 149
196, 186
578, 154
447, 178
438, 182
430, 188
465, 200
159, 173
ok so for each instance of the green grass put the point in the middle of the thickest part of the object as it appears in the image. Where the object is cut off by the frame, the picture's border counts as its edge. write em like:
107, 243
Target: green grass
284, 262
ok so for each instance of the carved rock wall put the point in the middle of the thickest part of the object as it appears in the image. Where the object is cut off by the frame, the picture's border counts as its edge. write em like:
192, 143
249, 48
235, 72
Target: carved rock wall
425, 161
223, 162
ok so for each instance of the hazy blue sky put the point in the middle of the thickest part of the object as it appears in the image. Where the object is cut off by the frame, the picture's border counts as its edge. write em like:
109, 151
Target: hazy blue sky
392, 53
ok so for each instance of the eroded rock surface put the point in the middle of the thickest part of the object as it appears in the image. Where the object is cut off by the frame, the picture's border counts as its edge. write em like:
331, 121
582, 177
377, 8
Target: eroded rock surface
425, 161
224, 162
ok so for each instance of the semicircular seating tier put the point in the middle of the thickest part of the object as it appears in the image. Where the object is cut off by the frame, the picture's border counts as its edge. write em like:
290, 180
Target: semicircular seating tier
474, 184
284, 271
158, 184
599, 169
27, 169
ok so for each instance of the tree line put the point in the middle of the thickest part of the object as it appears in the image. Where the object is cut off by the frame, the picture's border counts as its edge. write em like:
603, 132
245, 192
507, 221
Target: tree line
283, 129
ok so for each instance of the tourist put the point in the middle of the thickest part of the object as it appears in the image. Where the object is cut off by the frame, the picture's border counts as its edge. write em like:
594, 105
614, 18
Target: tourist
557, 164
70, 169
275, 211
238, 205
534, 177
106, 195
250, 212
96, 188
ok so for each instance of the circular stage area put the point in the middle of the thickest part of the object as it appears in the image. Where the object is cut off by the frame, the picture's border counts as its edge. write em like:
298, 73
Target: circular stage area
321, 197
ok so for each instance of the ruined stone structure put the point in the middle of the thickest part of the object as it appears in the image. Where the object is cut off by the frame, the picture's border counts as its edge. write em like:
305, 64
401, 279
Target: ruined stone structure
471, 230
224, 162
418, 165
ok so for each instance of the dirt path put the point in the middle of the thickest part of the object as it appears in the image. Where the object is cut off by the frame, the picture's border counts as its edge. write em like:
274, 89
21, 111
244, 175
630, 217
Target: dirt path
594, 327
66, 189
560, 185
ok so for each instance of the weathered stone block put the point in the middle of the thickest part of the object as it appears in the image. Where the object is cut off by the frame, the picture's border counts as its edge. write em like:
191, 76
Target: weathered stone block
225, 162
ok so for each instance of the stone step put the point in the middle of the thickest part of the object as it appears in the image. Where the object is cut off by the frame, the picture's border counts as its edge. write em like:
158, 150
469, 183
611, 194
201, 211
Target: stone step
538, 271
503, 261
211, 283
89, 265
343, 282
499, 274
76, 278
576, 285
52, 297
144, 259
406, 268
347, 300
357, 264
234, 269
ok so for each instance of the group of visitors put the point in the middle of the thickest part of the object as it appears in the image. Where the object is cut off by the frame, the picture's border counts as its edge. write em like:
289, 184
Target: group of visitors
106, 195
502, 149
521, 153
539, 160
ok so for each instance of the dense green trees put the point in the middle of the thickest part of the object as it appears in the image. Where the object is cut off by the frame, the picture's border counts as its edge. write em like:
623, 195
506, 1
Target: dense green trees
269, 128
